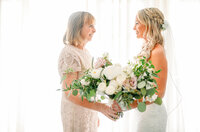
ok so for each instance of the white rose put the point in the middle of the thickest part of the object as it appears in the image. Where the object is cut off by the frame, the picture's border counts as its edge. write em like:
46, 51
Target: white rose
112, 71
111, 89
95, 73
127, 69
114, 83
101, 87
83, 82
121, 78
133, 82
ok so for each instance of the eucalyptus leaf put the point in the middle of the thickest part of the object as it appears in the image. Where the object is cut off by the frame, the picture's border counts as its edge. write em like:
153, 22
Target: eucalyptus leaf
141, 84
141, 106
158, 101
143, 90
102, 97
151, 91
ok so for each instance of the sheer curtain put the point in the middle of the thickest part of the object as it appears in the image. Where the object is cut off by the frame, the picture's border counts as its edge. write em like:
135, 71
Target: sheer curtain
31, 34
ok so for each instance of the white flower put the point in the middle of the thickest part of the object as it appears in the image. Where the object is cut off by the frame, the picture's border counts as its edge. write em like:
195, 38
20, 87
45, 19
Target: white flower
85, 83
126, 84
118, 89
133, 82
101, 87
130, 83
95, 73
111, 89
164, 25
148, 86
100, 62
151, 99
127, 70
121, 78
112, 71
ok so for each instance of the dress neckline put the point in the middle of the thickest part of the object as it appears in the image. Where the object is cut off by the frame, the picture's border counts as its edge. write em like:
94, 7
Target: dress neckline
76, 47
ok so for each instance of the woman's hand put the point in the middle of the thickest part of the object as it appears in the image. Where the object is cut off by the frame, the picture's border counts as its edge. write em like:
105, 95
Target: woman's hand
109, 112
116, 107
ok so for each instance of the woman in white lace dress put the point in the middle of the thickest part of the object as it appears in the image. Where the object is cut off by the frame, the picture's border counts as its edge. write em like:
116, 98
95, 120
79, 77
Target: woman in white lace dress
78, 115
148, 26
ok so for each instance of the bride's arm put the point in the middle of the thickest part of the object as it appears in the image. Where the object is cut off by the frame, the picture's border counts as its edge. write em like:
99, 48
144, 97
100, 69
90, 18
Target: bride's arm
104, 109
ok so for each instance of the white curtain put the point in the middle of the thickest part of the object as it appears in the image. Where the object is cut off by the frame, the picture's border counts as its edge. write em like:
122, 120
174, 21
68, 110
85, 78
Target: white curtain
31, 34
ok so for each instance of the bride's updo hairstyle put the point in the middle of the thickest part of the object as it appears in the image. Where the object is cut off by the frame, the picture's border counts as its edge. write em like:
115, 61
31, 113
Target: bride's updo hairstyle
75, 25
153, 19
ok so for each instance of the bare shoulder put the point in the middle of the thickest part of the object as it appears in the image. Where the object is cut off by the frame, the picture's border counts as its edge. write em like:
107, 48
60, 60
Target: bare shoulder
158, 50
158, 54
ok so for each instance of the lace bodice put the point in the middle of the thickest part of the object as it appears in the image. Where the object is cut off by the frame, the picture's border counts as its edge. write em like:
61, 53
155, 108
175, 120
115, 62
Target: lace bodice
75, 58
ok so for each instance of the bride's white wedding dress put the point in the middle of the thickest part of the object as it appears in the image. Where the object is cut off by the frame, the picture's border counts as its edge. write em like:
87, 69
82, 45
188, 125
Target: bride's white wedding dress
154, 119
74, 117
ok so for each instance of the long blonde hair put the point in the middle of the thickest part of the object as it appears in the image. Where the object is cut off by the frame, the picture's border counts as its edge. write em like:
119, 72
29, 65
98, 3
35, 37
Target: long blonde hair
153, 19
75, 25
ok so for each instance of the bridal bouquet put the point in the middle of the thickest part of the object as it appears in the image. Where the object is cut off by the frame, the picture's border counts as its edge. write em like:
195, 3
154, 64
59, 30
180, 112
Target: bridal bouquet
139, 84
114, 82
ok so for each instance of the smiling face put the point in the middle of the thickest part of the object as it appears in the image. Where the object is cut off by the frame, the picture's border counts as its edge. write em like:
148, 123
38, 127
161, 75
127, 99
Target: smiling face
87, 31
80, 28
140, 29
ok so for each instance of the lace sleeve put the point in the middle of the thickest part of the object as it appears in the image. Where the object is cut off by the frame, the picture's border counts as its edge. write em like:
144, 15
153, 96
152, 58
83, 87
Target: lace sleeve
68, 60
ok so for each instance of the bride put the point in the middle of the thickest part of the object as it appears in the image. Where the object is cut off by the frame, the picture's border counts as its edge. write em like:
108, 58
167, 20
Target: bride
148, 26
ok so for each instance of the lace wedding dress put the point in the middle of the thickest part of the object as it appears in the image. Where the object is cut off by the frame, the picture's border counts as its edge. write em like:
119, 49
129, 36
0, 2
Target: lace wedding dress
154, 119
76, 118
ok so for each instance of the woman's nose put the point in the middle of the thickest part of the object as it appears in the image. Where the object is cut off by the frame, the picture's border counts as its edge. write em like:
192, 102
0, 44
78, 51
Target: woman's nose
94, 29
134, 28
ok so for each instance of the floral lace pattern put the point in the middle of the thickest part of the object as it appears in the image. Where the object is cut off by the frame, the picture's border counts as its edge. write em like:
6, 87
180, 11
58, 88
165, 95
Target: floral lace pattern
154, 119
76, 118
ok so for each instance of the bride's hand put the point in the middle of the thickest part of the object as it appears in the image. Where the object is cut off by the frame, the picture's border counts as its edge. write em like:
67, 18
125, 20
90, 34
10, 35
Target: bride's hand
109, 112
116, 107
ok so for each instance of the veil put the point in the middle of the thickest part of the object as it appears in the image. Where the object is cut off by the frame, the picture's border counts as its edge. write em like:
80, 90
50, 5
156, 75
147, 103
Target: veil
173, 97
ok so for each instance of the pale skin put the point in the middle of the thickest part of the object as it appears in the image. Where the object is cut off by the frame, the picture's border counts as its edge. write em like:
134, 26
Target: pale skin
87, 33
158, 59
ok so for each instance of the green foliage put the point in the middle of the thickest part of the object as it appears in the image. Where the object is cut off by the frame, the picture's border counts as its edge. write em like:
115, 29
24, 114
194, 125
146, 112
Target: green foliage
151, 92
143, 70
141, 106
75, 92
143, 91
158, 101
